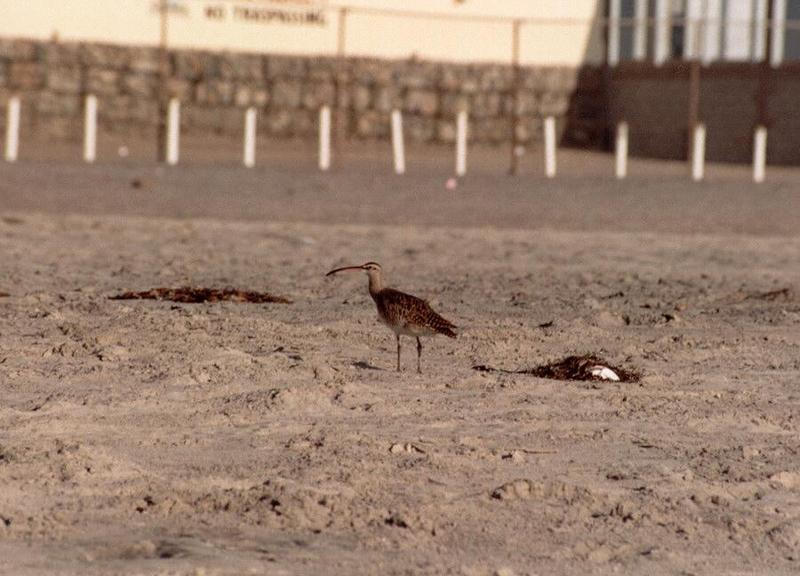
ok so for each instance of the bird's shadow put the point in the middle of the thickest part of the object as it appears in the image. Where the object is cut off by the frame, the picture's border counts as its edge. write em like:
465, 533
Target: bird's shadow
362, 365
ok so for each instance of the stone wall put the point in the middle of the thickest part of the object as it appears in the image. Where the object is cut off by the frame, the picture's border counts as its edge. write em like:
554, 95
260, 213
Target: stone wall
52, 79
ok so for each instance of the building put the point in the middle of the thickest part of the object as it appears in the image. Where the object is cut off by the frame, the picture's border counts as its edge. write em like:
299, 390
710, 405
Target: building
553, 32
708, 30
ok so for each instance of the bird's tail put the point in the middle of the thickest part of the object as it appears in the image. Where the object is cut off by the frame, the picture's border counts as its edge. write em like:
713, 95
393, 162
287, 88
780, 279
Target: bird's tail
450, 332
443, 326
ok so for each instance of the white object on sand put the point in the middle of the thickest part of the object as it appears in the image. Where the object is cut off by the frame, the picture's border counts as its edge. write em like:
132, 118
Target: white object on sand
605, 373
451, 184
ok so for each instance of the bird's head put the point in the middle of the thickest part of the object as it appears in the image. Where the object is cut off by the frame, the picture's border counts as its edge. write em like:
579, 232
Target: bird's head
373, 269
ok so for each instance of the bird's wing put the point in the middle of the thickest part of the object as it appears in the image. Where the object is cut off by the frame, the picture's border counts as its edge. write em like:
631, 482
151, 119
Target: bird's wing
416, 311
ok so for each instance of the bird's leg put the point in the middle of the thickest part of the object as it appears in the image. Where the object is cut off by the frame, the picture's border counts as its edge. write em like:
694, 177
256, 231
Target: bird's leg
398, 352
419, 356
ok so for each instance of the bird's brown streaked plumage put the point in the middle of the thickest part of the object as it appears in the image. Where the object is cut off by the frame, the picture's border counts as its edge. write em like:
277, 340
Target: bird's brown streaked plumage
408, 312
404, 314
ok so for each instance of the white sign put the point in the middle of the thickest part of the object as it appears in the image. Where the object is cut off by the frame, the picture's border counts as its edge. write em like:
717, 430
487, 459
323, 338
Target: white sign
292, 12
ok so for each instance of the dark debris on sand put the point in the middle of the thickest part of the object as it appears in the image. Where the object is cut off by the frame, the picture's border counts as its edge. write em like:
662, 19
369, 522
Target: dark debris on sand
570, 368
778, 295
189, 295
772, 295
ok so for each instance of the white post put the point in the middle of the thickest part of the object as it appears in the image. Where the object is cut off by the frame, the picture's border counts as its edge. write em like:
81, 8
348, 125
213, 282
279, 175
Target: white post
662, 32
324, 138
173, 131
621, 165
12, 129
398, 149
640, 30
760, 154
461, 143
90, 129
778, 31
760, 31
614, 13
250, 137
550, 147
699, 152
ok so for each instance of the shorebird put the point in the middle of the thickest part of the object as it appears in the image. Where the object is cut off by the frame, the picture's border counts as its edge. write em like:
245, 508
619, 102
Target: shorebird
404, 314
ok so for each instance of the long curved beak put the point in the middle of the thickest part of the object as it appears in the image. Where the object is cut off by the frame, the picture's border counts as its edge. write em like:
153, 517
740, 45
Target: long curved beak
344, 269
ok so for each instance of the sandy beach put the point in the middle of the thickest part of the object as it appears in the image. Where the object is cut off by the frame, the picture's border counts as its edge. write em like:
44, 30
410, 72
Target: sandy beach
149, 437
